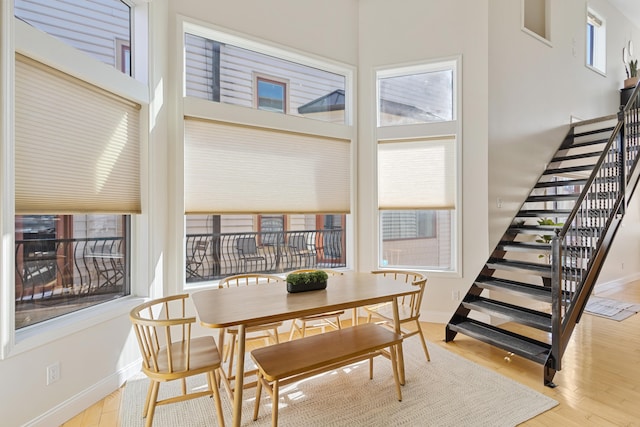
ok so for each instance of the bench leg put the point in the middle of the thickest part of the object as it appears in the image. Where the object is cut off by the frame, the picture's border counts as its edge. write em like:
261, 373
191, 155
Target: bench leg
394, 366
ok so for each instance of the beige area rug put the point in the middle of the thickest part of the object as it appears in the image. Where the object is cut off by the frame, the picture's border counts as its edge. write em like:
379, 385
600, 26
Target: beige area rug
448, 391
610, 308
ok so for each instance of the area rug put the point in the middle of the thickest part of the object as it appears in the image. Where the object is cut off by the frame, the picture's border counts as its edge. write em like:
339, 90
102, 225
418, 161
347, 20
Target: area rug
448, 391
610, 308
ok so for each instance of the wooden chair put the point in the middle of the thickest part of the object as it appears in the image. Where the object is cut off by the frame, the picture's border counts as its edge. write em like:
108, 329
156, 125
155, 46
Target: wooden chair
331, 318
169, 353
267, 332
408, 307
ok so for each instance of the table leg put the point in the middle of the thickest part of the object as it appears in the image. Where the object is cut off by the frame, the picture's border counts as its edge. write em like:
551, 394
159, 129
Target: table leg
400, 358
239, 381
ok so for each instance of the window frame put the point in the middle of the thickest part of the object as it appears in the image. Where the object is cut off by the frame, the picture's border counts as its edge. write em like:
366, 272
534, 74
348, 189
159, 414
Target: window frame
596, 42
193, 107
19, 37
427, 130
283, 83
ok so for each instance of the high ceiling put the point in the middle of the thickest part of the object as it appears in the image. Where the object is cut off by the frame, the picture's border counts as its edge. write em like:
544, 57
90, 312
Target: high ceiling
630, 8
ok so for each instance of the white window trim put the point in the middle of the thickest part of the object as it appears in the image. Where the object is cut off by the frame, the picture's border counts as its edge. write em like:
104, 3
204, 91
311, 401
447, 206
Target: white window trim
47, 49
453, 127
600, 44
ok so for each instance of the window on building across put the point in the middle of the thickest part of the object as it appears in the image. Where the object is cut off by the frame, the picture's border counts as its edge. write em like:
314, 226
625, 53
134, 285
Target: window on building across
271, 95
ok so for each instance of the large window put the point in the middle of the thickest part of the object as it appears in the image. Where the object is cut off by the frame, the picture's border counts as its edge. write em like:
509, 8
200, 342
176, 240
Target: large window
263, 193
417, 166
77, 155
596, 42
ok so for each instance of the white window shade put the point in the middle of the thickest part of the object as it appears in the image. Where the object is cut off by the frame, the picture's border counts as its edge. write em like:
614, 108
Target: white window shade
240, 169
417, 174
77, 146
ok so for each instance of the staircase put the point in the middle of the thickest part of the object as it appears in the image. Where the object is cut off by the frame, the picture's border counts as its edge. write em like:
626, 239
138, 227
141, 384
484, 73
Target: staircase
541, 273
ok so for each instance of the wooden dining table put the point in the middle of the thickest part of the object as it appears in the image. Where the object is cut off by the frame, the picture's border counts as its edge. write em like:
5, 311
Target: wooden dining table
255, 305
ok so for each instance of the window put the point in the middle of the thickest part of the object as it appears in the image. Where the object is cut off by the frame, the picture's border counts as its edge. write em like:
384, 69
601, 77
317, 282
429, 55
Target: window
77, 152
596, 42
535, 19
294, 175
271, 95
221, 245
100, 28
65, 263
423, 97
417, 166
232, 74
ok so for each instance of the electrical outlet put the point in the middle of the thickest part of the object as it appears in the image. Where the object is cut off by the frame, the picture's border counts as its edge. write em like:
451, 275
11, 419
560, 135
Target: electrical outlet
455, 296
499, 203
53, 373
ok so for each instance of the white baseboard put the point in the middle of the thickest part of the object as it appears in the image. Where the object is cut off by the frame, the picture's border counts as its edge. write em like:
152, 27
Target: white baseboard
602, 287
71, 407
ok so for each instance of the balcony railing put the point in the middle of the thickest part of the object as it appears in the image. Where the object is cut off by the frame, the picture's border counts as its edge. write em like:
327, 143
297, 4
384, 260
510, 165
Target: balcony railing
51, 268
213, 256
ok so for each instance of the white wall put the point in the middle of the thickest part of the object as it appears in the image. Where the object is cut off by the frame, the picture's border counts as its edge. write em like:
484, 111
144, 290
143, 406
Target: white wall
534, 89
409, 31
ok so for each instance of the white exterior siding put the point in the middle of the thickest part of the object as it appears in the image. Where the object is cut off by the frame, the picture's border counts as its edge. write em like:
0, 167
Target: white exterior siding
239, 68
91, 26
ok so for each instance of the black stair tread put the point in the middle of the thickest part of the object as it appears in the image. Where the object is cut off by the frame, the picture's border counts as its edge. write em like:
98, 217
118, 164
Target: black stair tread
529, 348
514, 313
576, 156
508, 246
538, 293
559, 171
542, 270
553, 197
523, 246
533, 229
546, 213
531, 213
593, 132
561, 183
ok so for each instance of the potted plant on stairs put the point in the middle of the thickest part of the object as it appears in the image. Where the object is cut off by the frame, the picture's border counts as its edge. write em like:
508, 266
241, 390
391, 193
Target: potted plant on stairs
546, 239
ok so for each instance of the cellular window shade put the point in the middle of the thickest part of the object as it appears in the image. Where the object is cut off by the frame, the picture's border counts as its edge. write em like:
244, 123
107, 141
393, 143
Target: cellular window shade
417, 174
240, 169
77, 147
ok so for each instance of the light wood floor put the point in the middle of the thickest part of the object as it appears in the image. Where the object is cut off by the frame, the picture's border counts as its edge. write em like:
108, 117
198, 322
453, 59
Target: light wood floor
599, 384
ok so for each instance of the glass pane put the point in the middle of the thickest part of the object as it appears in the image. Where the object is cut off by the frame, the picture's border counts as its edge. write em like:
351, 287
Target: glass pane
65, 263
223, 245
417, 239
416, 98
225, 73
100, 28
271, 96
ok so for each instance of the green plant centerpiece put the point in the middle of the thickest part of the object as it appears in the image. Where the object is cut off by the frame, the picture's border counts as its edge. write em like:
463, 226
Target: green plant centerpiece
307, 281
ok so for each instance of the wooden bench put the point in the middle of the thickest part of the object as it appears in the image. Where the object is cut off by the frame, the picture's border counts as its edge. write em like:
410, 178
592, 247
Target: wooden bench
291, 361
